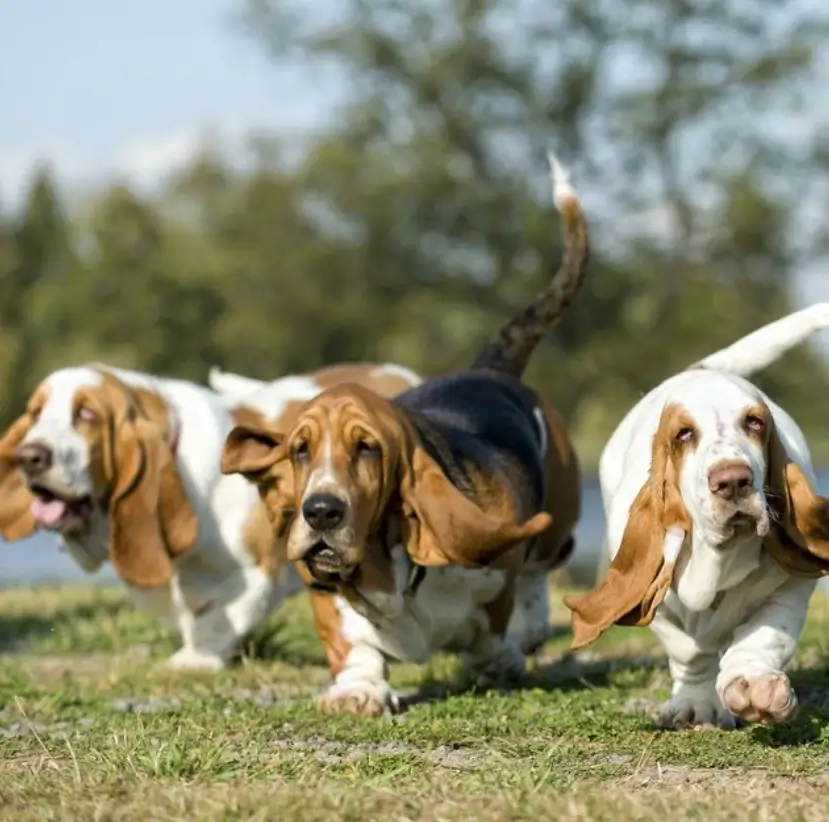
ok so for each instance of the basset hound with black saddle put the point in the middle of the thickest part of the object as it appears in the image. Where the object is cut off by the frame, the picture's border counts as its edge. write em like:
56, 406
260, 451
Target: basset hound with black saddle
124, 466
431, 521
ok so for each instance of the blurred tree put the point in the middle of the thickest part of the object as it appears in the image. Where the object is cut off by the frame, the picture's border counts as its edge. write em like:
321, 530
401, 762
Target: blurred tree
669, 109
419, 217
35, 253
152, 311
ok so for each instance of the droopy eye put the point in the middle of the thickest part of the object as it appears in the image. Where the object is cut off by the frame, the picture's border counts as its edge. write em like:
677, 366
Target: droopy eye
301, 451
684, 435
87, 414
364, 448
755, 423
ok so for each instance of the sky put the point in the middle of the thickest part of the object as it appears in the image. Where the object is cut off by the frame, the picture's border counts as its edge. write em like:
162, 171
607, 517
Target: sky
99, 88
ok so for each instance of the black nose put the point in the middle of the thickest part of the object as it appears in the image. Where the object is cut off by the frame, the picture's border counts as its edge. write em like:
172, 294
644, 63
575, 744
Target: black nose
34, 457
323, 511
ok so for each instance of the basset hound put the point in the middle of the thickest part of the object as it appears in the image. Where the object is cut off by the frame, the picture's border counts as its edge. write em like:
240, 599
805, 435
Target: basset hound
716, 533
428, 522
124, 466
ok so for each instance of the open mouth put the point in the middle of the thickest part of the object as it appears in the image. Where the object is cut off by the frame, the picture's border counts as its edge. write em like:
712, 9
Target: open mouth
325, 564
56, 513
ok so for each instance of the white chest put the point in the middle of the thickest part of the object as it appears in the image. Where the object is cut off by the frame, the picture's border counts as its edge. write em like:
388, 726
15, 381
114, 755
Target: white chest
446, 613
730, 606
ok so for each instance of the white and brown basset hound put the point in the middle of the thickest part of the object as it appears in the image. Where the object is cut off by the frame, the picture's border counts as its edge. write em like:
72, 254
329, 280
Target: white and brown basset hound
431, 521
716, 533
124, 466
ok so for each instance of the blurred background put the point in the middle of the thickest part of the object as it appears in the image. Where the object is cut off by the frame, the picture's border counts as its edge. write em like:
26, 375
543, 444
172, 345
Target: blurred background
272, 186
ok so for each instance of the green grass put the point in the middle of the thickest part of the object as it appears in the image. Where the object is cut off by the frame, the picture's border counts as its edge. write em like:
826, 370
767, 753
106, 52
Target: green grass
92, 729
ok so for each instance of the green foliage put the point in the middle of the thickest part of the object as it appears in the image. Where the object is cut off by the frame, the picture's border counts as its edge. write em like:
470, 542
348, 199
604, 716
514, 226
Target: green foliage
418, 218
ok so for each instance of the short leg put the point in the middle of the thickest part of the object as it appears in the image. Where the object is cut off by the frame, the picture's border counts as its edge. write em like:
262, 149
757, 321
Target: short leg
751, 681
694, 702
529, 624
360, 676
212, 637
494, 659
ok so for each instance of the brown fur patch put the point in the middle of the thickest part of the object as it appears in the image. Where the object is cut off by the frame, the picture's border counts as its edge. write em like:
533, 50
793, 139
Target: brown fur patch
151, 520
386, 383
268, 551
16, 520
327, 624
553, 547
638, 579
798, 539
247, 416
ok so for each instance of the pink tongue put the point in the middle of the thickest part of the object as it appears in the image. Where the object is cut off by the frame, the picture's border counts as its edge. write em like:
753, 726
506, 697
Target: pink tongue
48, 514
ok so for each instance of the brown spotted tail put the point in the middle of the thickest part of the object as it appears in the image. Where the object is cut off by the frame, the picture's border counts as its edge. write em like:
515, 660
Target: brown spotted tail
511, 348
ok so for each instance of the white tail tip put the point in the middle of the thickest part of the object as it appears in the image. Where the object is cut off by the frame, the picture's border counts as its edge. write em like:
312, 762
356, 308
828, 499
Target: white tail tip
563, 190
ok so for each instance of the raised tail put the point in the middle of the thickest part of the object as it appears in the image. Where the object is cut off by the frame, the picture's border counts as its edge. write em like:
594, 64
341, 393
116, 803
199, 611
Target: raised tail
511, 348
762, 347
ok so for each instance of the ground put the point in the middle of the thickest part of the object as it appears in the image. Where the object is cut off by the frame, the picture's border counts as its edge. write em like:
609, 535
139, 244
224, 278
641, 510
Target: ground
91, 729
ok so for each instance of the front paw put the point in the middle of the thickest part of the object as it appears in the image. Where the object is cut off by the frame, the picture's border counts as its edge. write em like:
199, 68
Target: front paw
187, 659
697, 707
360, 698
768, 699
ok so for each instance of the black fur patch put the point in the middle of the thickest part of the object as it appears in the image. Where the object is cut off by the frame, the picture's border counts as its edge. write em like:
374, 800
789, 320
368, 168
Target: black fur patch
480, 421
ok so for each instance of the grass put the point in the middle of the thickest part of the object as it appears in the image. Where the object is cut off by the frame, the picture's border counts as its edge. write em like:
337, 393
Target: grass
92, 729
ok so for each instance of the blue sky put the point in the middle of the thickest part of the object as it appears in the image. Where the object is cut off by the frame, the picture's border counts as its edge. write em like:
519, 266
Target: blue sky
101, 88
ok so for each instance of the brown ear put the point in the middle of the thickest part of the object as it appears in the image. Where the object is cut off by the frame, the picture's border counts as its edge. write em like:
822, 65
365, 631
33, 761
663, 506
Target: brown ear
16, 521
151, 405
251, 450
150, 517
257, 453
446, 528
639, 576
798, 539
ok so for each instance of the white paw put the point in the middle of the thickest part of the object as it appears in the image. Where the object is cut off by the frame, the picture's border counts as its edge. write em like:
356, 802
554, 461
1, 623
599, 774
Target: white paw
361, 697
768, 698
695, 706
188, 659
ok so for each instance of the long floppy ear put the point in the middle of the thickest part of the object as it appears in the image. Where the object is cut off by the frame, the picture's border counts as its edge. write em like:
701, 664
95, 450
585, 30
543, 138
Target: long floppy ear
446, 528
151, 520
641, 573
258, 453
252, 449
16, 520
798, 539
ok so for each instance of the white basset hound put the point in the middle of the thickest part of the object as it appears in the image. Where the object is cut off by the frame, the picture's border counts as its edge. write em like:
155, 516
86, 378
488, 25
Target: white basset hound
124, 466
716, 533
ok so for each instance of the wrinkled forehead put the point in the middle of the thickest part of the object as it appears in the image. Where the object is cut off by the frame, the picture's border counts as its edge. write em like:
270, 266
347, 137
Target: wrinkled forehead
337, 409
715, 402
57, 397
